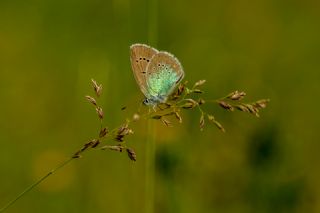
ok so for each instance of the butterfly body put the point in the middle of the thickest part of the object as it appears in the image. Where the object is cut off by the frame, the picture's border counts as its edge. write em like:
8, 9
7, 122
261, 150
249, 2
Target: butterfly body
156, 72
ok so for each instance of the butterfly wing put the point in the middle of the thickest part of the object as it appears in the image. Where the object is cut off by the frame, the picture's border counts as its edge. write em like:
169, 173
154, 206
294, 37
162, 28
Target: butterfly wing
163, 73
140, 57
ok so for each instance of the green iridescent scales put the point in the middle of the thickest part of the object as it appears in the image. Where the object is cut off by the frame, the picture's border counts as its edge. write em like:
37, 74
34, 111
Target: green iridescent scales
160, 83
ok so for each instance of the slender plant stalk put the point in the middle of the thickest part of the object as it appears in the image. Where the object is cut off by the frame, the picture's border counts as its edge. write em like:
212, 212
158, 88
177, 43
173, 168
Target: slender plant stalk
151, 145
153, 22
150, 167
60, 166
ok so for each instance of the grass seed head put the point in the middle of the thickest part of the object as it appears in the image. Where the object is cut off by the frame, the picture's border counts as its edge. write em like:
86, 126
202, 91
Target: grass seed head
236, 95
226, 105
131, 154
91, 100
103, 132
201, 122
199, 83
100, 112
97, 88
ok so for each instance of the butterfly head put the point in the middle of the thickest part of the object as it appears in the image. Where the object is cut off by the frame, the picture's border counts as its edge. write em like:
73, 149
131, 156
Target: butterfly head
152, 101
149, 102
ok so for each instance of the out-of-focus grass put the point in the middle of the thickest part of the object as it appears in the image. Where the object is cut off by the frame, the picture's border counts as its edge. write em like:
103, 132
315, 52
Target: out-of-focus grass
49, 51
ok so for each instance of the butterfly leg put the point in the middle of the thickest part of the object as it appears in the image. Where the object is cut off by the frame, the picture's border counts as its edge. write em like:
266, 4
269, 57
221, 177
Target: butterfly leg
154, 107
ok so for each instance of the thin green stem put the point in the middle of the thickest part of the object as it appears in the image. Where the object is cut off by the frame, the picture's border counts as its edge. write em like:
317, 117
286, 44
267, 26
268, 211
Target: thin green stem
35, 184
153, 22
150, 168
150, 146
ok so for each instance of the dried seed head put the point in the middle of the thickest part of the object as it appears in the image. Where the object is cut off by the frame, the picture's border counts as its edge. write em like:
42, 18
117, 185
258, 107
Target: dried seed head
95, 144
130, 131
125, 131
219, 126
103, 132
242, 108
118, 148
261, 103
76, 155
122, 132
87, 145
197, 91
201, 101
131, 154
91, 100
190, 103
166, 122
188, 91
178, 117
181, 89
252, 109
97, 88
201, 123
176, 95
199, 83
119, 138
236, 95
136, 117
225, 105
157, 117
163, 106
213, 120
188, 106
100, 112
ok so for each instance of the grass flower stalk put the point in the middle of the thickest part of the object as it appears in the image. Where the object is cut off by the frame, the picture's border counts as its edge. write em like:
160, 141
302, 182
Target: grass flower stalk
115, 139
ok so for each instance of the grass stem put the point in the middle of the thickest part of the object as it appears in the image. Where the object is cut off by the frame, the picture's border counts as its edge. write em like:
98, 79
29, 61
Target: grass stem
150, 168
150, 145
35, 184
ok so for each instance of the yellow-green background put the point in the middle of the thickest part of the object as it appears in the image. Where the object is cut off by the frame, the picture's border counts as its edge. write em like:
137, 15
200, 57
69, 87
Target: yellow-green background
49, 51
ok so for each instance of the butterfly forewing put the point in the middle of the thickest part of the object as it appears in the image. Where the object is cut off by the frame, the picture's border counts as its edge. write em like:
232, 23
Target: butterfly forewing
140, 56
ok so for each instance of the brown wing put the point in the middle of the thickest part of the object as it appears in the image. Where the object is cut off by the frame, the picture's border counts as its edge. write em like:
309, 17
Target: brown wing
140, 56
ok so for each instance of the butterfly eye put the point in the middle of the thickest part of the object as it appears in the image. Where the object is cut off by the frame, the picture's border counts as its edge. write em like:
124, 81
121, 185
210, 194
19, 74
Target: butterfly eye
146, 101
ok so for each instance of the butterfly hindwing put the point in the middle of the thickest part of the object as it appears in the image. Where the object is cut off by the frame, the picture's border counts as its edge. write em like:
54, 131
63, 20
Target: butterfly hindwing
140, 56
163, 73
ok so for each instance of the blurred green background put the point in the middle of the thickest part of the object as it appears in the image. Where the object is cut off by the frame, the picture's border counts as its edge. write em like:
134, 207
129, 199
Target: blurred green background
49, 51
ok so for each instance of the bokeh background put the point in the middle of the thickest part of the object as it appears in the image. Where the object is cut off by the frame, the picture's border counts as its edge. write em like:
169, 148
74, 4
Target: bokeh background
49, 51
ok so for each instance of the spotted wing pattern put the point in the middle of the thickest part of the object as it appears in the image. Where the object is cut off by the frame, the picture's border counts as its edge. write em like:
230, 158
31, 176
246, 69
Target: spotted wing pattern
163, 73
140, 56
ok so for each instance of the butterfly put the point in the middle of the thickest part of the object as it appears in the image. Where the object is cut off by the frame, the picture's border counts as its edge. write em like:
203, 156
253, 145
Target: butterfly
157, 72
